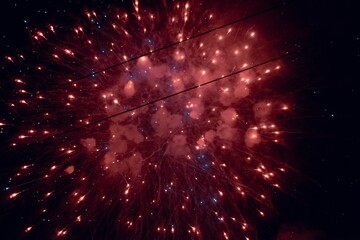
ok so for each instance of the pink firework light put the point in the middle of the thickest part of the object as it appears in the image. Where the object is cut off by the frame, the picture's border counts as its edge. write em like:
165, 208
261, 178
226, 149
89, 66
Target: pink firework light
195, 165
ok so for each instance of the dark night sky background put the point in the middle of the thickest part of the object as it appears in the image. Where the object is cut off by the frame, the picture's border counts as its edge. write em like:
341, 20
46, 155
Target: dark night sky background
324, 203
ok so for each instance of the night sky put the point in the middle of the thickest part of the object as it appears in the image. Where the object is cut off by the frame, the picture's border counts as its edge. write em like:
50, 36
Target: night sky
322, 194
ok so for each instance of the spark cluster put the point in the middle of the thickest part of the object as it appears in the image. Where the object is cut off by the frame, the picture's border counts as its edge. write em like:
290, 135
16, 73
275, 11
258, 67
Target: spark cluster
127, 141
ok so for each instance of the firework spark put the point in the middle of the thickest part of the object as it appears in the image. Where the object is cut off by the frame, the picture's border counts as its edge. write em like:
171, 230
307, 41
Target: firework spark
195, 165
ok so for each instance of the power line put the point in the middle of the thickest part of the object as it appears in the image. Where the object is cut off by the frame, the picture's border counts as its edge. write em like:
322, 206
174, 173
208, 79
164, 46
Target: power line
168, 46
180, 92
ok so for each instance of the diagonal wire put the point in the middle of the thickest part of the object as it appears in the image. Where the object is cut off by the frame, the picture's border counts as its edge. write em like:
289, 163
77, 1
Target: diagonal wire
168, 46
288, 54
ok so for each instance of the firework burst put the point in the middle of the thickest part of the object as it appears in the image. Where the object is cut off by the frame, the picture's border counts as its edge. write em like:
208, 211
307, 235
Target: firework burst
127, 139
